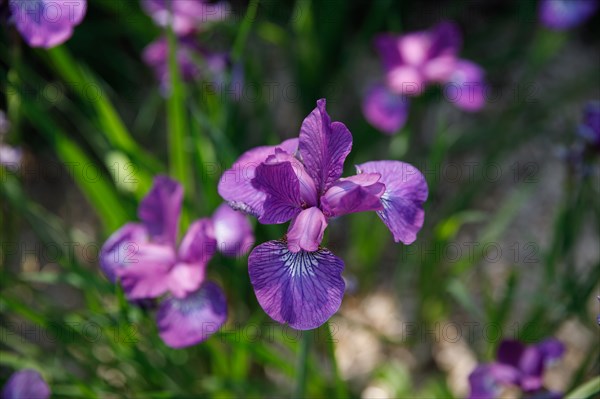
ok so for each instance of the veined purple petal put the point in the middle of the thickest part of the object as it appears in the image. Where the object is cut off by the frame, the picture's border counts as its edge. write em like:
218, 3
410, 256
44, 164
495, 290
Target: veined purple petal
352, 194
185, 15
121, 248
323, 147
486, 380
26, 384
405, 191
199, 243
385, 110
47, 23
466, 86
160, 210
306, 230
233, 231
308, 190
235, 184
302, 289
282, 188
190, 320
566, 14
147, 275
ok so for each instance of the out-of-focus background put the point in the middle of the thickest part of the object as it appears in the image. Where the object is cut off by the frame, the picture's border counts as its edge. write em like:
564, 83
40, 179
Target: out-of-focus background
509, 249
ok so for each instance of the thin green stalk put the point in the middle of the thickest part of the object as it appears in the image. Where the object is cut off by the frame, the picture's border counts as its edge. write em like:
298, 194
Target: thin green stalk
302, 367
242, 36
339, 386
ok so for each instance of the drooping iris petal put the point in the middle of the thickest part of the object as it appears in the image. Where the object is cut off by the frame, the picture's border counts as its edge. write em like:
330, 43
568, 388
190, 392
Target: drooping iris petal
486, 380
405, 191
466, 86
323, 147
352, 194
185, 15
160, 210
190, 320
235, 184
147, 275
120, 249
26, 384
566, 14
47, 23
232, 230
306, 230
303, 289
282, 188
385, 110
199, 243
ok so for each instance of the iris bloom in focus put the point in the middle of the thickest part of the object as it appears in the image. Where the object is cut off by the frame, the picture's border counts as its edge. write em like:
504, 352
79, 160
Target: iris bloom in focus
566, 14
516, 365
26, 384
187, 16
413, 61
297, 281
47, 23
148, 262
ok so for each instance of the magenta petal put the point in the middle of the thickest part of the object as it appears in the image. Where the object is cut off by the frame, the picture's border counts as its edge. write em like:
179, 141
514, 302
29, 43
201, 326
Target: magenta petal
198, 244
486, 380
235, 184
302, 289
466, 86
120, 248
406, 190
147, 275
385, 110
357, 193
160, 210
306, 230
47, 23
186, 15
192, 319
233, 231
323, 147
26, 384
282, 188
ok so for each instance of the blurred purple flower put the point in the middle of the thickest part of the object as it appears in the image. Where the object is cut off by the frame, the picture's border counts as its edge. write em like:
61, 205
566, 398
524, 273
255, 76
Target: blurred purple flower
194, 62
517, 365
26, 384
296, 281
414, 60
566, 14
10, 157
147, 261
385, 110
466, 86
589, 130
187, 15
47, 23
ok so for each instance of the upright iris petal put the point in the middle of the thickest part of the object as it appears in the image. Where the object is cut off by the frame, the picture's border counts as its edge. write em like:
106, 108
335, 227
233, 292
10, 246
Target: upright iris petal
47, 23
26, 384
384, 109
302, 289
323, 147
235, 185
160, 210
566, 14
190, 320
232, 231
405, 192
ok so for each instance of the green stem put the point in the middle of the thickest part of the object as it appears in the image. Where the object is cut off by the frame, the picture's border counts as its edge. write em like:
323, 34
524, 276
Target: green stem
339, 386
302, 368
242, 36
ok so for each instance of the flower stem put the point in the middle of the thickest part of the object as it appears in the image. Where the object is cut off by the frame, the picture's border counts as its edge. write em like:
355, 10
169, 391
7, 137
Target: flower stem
302, 367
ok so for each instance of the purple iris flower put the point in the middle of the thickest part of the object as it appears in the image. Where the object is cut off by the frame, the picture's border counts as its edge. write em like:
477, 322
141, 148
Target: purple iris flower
466, 86
149, 264
187, 15
193, 61
26, 384
384, 109
47, 23
516, 365
297, 281
566, 14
